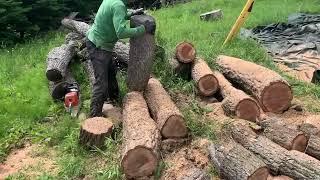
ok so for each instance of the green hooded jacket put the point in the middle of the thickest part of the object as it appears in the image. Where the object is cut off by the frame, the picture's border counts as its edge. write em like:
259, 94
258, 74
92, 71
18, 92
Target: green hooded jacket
110, 25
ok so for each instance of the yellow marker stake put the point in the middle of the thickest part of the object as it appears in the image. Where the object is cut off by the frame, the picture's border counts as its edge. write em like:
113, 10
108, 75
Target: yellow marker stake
241, 19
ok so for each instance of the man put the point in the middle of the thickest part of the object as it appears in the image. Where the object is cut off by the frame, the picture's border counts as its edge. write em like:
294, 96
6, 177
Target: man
109, 26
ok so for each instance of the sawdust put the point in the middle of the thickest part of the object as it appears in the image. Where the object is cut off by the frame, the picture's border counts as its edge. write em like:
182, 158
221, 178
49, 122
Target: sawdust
30, 161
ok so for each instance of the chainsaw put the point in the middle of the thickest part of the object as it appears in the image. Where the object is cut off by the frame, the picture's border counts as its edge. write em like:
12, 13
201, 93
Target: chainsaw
72, 99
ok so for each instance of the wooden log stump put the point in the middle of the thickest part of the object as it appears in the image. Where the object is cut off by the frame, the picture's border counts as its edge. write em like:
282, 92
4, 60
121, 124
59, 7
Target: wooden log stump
206, 82
290, 163
94, 131
142, 51
59, 89
185, 52
182, 69
232, 161
168, 117
140, 138
236, 102
280, 133
269, 88
58, 60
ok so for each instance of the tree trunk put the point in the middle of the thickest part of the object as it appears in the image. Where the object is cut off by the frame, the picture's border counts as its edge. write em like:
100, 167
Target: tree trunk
58, 60
77, 26
232, 161
236, 102
272, 91
142, 51
59, 89
283, 135
94, 131
140, 138
185, 52
206, 82
169, 119
182, 69
291, 163
73, 36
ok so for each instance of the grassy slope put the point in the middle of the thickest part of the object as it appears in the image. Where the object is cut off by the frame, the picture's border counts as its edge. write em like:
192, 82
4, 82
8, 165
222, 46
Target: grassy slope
24, 99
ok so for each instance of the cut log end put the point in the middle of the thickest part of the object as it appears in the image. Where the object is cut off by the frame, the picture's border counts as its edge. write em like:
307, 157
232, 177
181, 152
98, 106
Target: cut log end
54, 75
208, 85
248, 109
185, 52
277, 97
300, 143
174, 127
139, 162
261, 173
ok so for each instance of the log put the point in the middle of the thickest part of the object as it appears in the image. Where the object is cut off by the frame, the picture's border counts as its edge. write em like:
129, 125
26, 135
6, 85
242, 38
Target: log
140, 138
59, 89
58, 60
313, 147
269, 88
182, 69
94, 131
142, 51
309, 129
236, 102
168, 117
195, 174
72, 36
280, 133
290, 163
233, 162
185, 52
206, 82
77, 26
279, 178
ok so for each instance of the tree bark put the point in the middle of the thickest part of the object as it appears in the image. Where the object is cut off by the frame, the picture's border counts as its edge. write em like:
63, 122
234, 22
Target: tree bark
77, 26
140, 138
313, 147
168, 117
290, 163
73, 36
279, 178
309, 129
142, 51
182, 69
269, 88
236, 102
195, 174
206, 82
232, 161
185, 52
94, 131
59, 89
287, 137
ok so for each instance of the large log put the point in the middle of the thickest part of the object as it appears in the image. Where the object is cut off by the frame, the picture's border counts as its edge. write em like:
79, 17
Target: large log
185, 52
313, 147
292, 163
280, 133
182, 69
169, 119
206, 82
140, 138
236, 102
142, 51
269, 88
59, 89
233, 162
58, 60
77, 26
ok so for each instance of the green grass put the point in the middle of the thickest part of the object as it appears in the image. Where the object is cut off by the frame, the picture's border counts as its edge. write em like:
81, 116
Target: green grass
28, 113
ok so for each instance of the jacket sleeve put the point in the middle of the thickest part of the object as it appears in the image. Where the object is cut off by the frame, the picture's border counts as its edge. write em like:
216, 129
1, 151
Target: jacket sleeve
119, 22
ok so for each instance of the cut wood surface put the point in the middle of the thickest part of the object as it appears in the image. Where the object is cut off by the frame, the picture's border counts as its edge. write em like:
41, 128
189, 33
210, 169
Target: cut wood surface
169, 119
140, 138
182, 69
233, 162
236, 102
272, 91
280, 133
94, 131
206, 82
58, 60
59, 89
142, 51
185, 52
292, 163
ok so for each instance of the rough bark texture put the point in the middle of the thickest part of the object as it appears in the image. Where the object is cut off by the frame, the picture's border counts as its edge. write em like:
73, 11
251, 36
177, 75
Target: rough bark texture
309, 129
206, 82
236, 102
195, 174
291, 163
279, 178
185, 52
142, 51
169, 119
58, 60
72, 36
313, 147
232, 161
182, 69
140, 138
283, 135
94, 131
272, 91
59, 89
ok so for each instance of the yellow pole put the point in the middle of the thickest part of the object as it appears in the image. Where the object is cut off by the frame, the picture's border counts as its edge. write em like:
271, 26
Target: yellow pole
241, 19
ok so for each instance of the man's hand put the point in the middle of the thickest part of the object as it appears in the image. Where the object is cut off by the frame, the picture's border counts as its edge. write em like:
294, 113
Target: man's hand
137, 12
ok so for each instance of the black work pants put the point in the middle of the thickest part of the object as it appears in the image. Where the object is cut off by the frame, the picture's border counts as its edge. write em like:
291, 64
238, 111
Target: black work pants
105, 87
